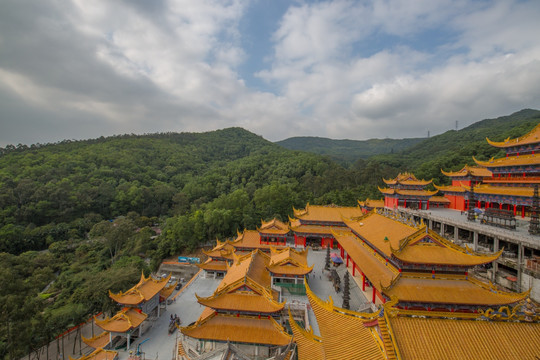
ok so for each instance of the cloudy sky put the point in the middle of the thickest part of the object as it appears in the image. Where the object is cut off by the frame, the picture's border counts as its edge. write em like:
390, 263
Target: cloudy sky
77, 69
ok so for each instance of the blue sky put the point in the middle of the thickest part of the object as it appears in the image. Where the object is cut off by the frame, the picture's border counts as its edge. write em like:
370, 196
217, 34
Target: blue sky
77, 69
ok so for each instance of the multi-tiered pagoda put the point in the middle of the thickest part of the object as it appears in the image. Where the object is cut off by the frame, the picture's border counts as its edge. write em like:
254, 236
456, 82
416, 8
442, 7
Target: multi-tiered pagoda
407, 191
505, 183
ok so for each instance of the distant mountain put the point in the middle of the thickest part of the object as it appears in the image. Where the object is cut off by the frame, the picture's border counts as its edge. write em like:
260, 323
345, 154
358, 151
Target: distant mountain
348, 150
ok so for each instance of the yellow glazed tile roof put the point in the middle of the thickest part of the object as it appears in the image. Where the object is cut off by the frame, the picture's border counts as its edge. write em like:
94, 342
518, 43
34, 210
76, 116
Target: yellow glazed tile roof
168, 290
309, 346
221, 250
533, 159
327, 213
438, 199
249, 270
504, 190
460, 189
373, 265
98, 341
243, 301
450, 290
125, 320
273, 227
447, 339
296, 226
288, 261
532, 137
406, 179
98, 354
213, 265
346, 334
431, 248
389, 191
381, 231
251, 239
372, 203
243, 329
469, 171
146, 289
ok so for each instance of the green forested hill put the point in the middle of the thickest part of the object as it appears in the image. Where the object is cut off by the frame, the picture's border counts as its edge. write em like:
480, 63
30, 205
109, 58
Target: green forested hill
347, 151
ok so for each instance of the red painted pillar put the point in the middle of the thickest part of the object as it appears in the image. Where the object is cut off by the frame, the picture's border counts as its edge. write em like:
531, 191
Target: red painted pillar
420, 205
347, 260
353, 268
427, 206
523, 211
500, 206
405, 203
342, 252
373, 287
363, 282
304, 241
515, 208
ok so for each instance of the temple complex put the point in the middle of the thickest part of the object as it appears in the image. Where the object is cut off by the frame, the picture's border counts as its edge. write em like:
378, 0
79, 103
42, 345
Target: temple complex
244, 310
406, 190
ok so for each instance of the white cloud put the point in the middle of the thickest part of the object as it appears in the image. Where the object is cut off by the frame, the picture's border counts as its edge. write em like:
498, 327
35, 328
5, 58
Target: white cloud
343, 69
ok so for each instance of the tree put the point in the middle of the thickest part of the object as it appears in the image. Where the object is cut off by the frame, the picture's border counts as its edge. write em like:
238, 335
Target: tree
346, 291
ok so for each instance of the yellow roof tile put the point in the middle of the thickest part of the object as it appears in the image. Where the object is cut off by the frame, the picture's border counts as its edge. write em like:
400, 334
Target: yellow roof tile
309, 346
297, 227
504, 190
330, 213
449, 290
381, 231
125, 320
98, 341
98, 354
439, 251
459, 189
243, 329
288, 261
532, 137
251, 239
345, 334
374, 266
469, 171
146, 289
168, 290
273, 227
243, 301
406, 179
372, 204
438, 199
221, 250
437, 339
213, 265
408, 192
522, 160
